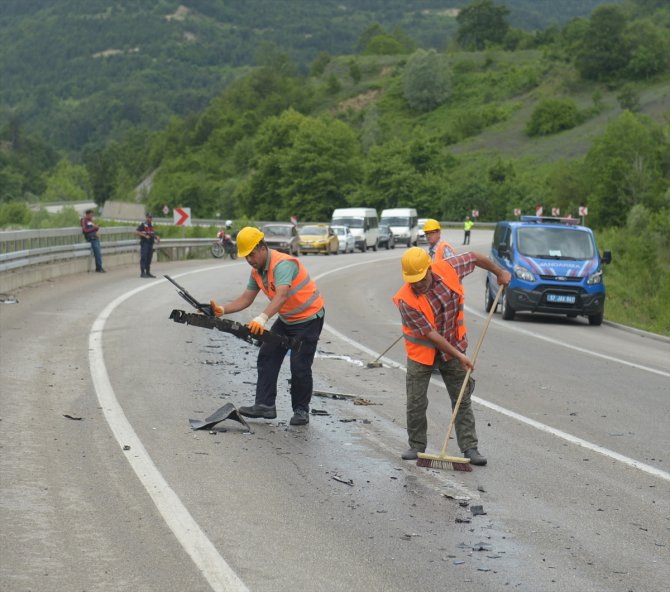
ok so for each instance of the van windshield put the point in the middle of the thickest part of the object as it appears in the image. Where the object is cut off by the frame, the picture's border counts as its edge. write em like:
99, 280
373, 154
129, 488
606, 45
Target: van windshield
350, 222
395, 221
555, 243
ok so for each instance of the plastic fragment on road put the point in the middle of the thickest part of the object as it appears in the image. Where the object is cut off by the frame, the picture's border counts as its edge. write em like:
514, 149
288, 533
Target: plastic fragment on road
72, 417
228, 411
477, 510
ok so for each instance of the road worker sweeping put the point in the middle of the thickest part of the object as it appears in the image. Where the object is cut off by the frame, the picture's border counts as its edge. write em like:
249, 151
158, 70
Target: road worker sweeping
431, 310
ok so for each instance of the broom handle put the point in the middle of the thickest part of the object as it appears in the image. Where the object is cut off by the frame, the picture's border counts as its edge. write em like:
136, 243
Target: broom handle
379, 357
467, 374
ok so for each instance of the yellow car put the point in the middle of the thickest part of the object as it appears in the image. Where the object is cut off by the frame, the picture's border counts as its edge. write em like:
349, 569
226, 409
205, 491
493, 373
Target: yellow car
318, 238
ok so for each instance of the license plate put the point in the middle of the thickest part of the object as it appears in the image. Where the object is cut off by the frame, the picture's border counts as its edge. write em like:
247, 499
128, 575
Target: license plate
561, 298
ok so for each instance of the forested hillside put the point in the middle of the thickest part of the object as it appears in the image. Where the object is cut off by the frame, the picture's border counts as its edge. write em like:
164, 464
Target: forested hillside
81, 72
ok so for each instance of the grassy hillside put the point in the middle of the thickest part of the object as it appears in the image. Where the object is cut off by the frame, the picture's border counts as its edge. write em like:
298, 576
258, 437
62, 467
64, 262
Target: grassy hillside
83, 72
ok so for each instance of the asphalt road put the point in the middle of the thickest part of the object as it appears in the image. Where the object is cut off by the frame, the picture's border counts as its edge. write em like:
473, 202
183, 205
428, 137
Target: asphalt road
574, 420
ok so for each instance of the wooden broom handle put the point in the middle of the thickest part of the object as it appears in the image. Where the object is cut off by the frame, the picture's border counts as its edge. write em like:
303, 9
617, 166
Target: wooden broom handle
467, 374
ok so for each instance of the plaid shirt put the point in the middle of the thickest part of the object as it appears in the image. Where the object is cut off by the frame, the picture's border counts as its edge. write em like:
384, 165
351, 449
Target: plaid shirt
444, 303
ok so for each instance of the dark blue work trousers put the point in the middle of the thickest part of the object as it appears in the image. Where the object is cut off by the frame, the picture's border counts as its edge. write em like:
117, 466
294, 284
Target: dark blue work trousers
270, 358
146, 253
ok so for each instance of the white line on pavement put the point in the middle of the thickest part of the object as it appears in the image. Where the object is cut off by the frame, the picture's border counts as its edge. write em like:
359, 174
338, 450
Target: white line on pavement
202, 551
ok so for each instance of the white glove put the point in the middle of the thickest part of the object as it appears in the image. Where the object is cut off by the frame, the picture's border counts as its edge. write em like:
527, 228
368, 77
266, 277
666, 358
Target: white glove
257, 325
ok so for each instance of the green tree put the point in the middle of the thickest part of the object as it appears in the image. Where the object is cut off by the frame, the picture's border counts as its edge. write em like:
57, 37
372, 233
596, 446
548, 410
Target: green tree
384, 45
67, 182
551, 116
303, 166
482, 23
627, 165
604, 51
425, 80
650, 49
319, 64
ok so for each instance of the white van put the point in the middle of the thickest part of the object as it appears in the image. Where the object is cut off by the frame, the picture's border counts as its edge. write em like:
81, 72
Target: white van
363, 223
404, 224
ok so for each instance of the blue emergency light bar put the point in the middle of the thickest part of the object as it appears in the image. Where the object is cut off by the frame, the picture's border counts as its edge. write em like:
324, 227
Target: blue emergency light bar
541, 219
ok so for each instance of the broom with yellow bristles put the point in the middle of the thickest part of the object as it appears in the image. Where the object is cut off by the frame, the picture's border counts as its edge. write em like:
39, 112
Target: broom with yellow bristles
457, 463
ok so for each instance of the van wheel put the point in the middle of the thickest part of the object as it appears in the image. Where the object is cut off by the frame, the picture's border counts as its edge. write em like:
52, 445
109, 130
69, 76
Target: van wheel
507, 310
596, 319
374, 247
488, 301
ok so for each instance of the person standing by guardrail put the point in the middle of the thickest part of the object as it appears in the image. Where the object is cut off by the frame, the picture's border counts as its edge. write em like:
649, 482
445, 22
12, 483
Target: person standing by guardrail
147, 236
92, 234
467, 227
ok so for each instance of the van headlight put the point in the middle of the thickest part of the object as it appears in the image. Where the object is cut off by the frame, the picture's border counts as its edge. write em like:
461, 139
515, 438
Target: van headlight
523, 274
595, 278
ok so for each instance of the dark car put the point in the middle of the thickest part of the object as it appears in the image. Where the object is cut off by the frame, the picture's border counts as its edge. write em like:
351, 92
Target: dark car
282, 237
386, 237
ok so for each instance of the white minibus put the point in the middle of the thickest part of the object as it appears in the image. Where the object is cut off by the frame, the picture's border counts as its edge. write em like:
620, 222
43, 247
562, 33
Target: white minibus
363, 223
404, 224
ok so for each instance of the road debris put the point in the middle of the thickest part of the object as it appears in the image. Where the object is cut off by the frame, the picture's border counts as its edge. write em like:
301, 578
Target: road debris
343, 480
228, 411
332, 395
72, 416
477, 510
319, 412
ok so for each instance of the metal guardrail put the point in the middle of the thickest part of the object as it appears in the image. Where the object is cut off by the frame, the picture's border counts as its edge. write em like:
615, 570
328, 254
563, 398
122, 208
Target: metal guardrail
22, 248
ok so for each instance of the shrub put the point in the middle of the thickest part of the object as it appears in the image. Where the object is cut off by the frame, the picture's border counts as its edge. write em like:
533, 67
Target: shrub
551, 116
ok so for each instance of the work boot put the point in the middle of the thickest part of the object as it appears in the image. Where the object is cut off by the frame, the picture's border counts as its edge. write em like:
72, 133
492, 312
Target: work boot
143, 275
411, 453
475, 457
259, 410
150, 275
300, 417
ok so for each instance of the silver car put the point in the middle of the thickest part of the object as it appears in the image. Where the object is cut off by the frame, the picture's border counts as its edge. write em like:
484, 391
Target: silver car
347, 240
282, 237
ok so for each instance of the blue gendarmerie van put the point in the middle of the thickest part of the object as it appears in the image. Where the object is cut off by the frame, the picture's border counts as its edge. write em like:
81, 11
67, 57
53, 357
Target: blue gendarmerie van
555, 267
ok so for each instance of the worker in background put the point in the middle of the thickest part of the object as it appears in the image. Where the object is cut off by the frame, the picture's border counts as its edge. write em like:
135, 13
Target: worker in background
431, 311
299, 306
433, 232
147, 236
467, 227
91, 233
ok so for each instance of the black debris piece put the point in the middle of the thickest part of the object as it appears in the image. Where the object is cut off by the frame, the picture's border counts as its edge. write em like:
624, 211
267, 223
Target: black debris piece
228, 411
72, 416
463, 520
477, 510
319, 412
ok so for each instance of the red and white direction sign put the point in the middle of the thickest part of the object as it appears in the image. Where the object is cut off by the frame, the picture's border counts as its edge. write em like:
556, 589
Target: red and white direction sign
182, 216
517, 212
475, 213
294, 220
538, 211
583, 211
166, 210
555, 211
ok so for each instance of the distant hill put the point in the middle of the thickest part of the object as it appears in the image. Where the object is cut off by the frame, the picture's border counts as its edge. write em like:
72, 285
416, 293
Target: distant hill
82, 72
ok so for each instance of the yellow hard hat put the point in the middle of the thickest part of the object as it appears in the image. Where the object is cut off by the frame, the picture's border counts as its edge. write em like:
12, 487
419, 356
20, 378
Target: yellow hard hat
430, 225
415, 264
247, 239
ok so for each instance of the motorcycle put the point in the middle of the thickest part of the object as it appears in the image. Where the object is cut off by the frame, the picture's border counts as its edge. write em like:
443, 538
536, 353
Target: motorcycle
224, 246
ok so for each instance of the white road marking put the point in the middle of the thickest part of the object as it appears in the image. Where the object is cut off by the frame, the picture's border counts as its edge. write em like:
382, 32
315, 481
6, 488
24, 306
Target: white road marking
521, 418
581, 350
204, 554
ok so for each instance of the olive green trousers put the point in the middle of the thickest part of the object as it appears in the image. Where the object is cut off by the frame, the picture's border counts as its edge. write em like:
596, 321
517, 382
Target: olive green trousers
418, 379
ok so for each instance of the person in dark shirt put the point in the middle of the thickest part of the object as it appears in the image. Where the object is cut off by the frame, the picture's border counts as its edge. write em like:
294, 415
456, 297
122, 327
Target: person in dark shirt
147, 236
92, 234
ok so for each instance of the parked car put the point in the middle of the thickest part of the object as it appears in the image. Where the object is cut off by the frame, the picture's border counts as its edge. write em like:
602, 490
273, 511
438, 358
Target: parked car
282, 237
386, 237
346, 239
318, 238
421, 235
555, 265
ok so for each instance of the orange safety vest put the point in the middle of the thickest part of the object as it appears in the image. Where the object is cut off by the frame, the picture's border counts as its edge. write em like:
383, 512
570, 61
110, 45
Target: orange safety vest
442, 244
304, 299
421, 349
